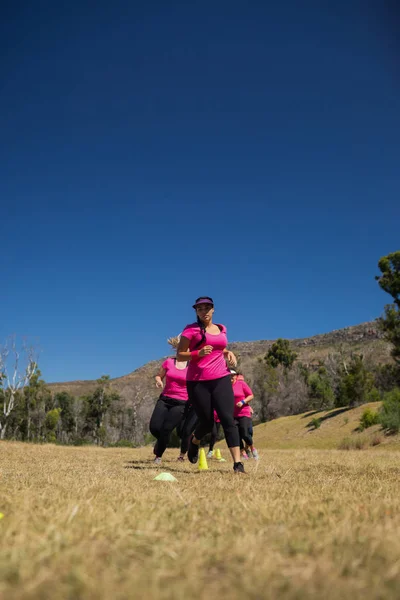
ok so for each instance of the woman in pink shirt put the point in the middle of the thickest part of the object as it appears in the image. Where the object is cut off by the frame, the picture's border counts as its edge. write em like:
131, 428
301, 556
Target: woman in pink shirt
209, 386
169, 410
242, 413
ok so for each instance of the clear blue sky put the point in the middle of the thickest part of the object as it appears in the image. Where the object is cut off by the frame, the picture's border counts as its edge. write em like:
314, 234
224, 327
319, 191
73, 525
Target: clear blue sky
153, 152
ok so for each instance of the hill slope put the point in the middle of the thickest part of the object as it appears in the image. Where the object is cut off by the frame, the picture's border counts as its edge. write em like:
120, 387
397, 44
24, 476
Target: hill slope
139, 393
296, 431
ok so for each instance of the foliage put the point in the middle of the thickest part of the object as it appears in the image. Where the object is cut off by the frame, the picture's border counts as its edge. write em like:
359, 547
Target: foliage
280, 353
315, 423
369, 418
389, 414
356, 384
320, 390
389, 281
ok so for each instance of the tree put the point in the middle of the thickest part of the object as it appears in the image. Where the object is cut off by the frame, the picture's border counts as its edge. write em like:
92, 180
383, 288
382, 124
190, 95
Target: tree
98, 404
280, 353
357, 383
37, 401
17, 367
389, 281
320, 390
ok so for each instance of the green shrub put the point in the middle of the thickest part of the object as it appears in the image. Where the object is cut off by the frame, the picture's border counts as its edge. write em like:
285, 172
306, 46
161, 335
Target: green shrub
316, 423
389, 414
373, 395
368, 418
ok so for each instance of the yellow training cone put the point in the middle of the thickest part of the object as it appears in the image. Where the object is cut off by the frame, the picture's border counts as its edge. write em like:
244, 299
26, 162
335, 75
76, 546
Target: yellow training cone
218, 454
203, 466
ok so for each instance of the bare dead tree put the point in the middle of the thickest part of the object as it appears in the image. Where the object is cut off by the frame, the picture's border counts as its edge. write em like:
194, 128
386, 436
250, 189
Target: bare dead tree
17, 367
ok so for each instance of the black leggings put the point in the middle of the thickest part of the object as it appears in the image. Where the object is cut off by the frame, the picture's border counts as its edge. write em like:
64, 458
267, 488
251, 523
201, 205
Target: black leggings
167, 415
214, 394
214, 435
187, 427
244, 426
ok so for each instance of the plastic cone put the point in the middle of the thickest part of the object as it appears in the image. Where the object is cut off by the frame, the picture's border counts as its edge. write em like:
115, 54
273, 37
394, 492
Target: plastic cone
203, 466
218, 454
165, 477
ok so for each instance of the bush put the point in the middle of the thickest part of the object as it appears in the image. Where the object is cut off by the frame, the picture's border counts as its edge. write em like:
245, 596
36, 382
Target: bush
316, 423
368, 418
389, 414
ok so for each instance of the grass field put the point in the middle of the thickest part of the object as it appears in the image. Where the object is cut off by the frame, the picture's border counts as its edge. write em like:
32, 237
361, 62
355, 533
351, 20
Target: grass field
91, 523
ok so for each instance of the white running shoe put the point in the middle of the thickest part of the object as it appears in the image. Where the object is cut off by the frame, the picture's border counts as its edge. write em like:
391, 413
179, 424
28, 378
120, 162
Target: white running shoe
210, 453
157, 460
255, 454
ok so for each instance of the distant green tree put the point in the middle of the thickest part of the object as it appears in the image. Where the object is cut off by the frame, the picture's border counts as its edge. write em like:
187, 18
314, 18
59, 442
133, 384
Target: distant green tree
389, 281
280, 353
320, 390
51, 422
389, 414
356, 384
98, 405
65, 402
37, 400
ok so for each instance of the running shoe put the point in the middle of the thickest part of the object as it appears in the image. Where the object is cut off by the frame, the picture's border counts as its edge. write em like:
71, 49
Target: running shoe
255, 454
157, 460
244, 456
238, 468
193, 452
210, 453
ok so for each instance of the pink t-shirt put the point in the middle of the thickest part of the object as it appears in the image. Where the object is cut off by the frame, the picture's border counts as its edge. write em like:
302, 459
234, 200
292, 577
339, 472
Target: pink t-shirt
240, 391
175, 380
211, 366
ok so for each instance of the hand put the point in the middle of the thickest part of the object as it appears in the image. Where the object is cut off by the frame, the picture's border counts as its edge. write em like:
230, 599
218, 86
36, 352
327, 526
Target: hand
232, 361
159, 384
205, 350
239, 404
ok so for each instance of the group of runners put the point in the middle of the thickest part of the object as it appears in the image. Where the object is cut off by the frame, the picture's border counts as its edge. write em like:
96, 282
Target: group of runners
202, 391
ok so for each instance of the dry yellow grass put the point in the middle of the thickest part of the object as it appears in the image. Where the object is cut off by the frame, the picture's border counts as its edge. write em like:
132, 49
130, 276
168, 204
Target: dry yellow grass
296, 432
89, 523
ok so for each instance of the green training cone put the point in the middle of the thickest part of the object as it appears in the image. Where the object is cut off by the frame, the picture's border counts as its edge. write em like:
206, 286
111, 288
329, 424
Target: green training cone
165, 477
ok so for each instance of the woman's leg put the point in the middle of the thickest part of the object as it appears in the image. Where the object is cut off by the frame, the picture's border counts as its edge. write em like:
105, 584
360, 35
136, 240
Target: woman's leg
244, 430
223, 402
213, 439
187, 428
165, 418
172, 420
156, 422
200, 397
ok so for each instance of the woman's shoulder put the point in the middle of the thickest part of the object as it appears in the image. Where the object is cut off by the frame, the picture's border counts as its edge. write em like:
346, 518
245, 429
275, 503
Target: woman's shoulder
221, 327
168, 362
190, 327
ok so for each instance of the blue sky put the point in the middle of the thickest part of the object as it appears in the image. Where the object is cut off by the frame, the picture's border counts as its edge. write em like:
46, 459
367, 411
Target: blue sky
153, 153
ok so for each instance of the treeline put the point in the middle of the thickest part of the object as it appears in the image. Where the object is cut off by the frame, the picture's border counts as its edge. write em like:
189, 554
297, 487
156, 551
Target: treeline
40, 415
30, 411
283, 386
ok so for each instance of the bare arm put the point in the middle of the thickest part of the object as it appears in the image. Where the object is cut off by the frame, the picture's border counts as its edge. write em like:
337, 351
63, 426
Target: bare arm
183, 353
245, 400
160, 377
229, 355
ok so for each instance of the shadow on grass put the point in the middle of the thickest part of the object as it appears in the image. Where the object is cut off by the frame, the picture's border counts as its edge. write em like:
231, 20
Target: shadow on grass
330, 415
142, 467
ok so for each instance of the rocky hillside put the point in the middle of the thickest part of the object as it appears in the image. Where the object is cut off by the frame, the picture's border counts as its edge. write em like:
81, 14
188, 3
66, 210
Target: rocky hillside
139, 392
